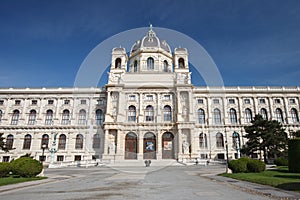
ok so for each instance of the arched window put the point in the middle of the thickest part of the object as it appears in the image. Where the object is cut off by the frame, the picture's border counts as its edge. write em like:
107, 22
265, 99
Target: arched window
9, 141
15, 117
32, 117
181, 63
79, 141
217, 116
99, 117
0, 115
232, 115
248, 115
201, 116
279, 116
167, 113
294, 114
65, 117
118, 63
82, 117
236, 144
27, 141
131, 114
135, 66
166, 66
149, 113
96, 141
45, 140
264, 113
219, 140
202, 140
49, 117
150, 64
62, 141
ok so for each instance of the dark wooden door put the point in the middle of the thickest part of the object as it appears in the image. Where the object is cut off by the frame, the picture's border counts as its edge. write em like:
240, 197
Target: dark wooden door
131, 146
168, 146
149, 146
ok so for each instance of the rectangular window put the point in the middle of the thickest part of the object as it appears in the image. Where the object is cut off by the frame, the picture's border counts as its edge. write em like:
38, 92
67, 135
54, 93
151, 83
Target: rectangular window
42, 158
292, 101
1, 102
60, 158
231, 101
66, 102
82, 101
100, 102
149, 97
131, 97
216, 101
77, 158
17, 102
262, 101
50, 102
34, 102
167, 97
5, 159
247, 101
200, 101
277, 101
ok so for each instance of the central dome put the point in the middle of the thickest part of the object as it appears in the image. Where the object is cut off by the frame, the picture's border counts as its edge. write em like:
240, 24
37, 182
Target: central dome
150, 41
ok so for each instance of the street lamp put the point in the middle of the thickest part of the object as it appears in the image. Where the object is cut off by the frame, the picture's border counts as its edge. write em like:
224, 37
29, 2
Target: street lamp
226, 148
44, 146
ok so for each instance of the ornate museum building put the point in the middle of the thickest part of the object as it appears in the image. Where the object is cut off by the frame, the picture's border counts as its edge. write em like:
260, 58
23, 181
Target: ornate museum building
149, 109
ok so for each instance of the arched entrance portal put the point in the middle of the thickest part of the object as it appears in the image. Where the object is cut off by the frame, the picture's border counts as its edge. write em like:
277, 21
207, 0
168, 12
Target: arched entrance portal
131, 146
168, 146
149, 146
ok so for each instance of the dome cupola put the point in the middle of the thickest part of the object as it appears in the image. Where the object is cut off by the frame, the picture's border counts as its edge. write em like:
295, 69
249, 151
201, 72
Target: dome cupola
150, 42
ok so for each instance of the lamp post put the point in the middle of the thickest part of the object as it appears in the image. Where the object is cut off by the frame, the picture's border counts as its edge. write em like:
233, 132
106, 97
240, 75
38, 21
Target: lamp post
237, 144
53, 150
44, 146
226, 148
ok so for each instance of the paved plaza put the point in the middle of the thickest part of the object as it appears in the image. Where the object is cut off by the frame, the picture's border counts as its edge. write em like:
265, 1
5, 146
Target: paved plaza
139, 182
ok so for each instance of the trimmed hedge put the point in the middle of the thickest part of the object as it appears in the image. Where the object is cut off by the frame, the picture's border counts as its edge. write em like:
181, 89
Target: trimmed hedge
256, 166
281, 161
26, 167
5, 168
294, 155
237, 166
244, 165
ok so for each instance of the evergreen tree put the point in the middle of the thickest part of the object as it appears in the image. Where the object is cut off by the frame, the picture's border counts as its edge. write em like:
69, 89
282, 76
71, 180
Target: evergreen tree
296, 134
265, 136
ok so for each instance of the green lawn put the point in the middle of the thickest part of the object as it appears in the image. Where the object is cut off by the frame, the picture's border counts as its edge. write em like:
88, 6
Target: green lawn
11, 180
277, 177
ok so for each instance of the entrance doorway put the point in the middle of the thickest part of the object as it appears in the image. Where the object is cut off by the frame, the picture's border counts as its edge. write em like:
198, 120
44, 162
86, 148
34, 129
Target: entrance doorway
168, 146
149, 146
131, 146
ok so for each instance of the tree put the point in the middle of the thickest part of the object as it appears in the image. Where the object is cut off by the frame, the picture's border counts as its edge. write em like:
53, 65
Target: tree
296, 134
265, 136
3, 146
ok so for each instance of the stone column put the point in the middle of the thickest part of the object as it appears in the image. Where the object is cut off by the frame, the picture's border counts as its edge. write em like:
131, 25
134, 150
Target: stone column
106, 141
140, 146
179, 143
159, 146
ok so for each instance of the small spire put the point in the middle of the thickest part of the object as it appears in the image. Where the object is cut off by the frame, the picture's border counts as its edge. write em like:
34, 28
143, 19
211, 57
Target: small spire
151, 32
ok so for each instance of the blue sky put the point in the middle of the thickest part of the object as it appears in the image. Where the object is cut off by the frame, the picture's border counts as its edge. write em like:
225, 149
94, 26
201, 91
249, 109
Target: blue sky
253, 42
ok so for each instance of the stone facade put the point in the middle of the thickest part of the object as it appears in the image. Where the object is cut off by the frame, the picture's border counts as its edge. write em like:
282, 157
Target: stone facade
149, 109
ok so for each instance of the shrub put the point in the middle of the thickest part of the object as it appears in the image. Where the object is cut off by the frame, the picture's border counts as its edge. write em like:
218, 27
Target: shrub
26, 167
281, 161
5, 168
255, 166
238, 166
294, 155
244, 165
